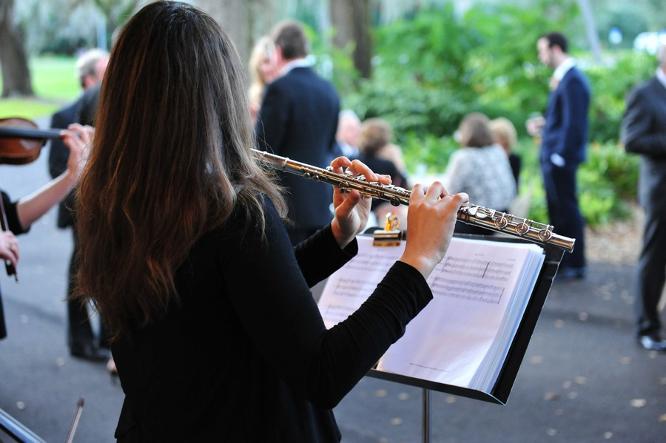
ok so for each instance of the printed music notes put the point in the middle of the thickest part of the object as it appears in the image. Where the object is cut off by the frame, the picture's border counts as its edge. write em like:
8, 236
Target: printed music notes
462, 337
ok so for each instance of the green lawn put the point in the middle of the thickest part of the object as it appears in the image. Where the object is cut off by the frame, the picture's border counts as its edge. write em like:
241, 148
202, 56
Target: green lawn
55, 84
27, 108
54, 78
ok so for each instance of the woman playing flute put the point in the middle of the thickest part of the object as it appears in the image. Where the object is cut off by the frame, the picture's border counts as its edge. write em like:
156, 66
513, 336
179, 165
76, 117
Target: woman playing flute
183, 250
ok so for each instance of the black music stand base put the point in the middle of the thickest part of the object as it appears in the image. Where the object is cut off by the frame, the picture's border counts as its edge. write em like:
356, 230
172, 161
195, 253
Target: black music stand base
426, 415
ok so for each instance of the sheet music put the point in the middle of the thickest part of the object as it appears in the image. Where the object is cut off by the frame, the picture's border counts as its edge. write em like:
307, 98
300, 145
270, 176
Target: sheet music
347, 289
473, 288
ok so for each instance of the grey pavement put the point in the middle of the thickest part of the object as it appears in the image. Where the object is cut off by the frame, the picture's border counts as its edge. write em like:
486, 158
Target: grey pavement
583, 379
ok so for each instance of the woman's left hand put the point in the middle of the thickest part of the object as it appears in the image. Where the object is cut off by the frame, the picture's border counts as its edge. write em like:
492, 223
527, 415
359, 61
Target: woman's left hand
351, 208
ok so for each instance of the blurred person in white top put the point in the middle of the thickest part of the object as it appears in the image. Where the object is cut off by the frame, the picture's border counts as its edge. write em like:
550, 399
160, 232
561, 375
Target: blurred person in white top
480, 168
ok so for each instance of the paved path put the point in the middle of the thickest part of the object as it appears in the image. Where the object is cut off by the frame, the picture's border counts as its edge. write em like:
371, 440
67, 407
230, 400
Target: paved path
583, 378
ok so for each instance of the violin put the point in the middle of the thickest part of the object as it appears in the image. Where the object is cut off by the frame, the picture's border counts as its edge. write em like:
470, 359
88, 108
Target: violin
21, 142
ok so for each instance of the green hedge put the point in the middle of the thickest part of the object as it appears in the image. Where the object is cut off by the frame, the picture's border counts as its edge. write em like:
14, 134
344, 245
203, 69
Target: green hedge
438, 66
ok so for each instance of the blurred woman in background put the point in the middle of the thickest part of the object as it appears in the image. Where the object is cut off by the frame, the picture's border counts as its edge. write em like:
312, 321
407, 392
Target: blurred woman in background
480, 168
378, 152
504, 134
263, 70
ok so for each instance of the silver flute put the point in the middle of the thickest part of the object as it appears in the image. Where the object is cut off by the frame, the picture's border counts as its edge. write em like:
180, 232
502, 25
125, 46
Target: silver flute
471, 214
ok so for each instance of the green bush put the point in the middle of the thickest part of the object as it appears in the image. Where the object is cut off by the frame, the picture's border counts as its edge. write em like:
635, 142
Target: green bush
610, 85
436, 67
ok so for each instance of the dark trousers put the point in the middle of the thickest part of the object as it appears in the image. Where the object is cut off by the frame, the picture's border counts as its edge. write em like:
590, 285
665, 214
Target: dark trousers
563, 211
79, 330
651, 274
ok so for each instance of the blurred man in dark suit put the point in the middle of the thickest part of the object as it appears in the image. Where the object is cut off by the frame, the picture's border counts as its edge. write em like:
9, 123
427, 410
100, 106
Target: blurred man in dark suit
299, 120
644, 133
563, 145
90, 67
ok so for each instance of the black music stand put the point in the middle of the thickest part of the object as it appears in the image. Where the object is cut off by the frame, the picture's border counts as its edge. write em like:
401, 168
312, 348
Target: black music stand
500, 392
17, 430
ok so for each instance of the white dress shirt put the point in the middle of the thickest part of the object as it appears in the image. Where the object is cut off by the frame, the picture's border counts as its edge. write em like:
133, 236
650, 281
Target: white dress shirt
661, 76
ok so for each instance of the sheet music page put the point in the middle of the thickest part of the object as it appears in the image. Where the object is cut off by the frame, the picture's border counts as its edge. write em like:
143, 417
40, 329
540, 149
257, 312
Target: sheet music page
449, 339
349, 287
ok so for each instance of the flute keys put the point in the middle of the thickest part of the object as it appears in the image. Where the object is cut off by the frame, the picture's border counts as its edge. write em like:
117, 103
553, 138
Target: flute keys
500, 220
546, 234
523, 228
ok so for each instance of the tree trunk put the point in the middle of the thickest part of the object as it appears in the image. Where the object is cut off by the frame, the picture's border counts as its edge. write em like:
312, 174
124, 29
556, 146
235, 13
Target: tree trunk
351, 20
115, 13
591, 29
15, 71
243, 20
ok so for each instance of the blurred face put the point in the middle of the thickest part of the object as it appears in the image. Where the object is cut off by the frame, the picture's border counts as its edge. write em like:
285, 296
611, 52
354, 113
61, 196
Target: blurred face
93, 79
268, 68
100, 68
349, 132
545, 53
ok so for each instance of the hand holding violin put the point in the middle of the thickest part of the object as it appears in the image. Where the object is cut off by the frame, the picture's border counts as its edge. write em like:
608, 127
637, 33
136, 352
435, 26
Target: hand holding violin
20, 143
9, 249
78, 139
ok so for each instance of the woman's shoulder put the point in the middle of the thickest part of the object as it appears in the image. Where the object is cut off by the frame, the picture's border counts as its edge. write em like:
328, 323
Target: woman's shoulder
248, 216
488, 152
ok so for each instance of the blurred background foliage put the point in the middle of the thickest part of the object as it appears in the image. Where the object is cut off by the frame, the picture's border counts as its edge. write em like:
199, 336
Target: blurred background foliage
432, 69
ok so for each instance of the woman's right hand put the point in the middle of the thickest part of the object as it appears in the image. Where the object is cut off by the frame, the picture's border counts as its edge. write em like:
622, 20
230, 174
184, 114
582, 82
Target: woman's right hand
78, 139
431, 219
9, 249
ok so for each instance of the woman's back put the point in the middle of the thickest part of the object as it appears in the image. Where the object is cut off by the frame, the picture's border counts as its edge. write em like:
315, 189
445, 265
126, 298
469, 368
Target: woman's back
199, 372
245, 355
484, 174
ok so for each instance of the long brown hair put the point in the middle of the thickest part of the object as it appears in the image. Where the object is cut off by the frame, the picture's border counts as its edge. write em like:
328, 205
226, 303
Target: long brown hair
170, 161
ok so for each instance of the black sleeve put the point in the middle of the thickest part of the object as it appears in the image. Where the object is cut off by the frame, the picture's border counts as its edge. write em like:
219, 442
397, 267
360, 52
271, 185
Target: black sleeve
333, 147
278, 312
272, 120
636, 135
58, 152
319, 256
12, 215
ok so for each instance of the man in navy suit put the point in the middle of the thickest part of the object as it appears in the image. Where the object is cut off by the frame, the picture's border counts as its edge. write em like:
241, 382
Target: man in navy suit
563, 144
91, 66
299, 119
644, 133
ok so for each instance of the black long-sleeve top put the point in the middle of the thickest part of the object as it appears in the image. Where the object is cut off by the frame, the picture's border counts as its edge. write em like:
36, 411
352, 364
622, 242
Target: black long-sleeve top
245, 356
14, 225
